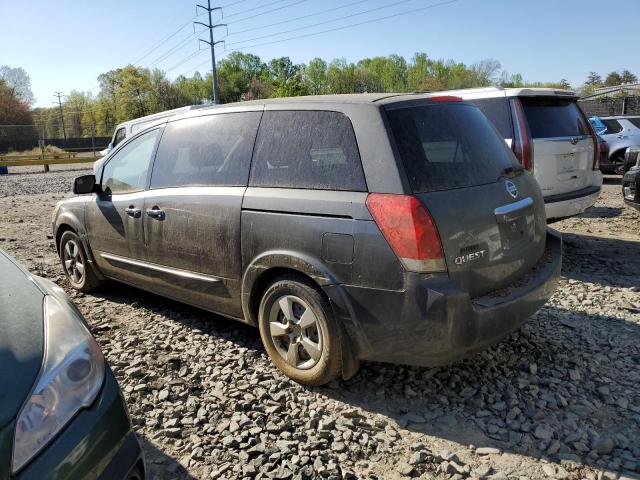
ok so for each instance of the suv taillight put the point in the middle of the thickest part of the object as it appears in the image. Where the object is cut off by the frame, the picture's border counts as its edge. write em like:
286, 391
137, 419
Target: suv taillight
522, 145
598, 146
411, 232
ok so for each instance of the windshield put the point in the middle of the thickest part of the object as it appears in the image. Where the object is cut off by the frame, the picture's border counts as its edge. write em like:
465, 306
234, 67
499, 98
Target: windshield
451, 145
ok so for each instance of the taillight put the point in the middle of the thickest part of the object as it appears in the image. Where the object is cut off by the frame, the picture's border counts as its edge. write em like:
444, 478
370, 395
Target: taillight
411, 232
445, 98
522, 145
596, 142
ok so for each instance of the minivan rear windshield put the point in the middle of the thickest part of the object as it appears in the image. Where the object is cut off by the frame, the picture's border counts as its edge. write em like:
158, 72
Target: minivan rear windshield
553, 117
448, 146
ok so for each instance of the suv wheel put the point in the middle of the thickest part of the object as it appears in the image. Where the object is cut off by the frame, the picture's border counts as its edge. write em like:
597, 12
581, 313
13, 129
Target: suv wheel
618, 165
299, 332
78, 270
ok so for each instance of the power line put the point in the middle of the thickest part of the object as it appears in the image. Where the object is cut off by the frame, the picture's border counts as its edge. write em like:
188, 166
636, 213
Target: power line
182, 43
185, 60
264, 13
364, 12
232, 4
164, 40
347, 26
173, 50
297, 18
344, 27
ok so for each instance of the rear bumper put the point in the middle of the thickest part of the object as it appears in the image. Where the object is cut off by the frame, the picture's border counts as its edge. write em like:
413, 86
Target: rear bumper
433, 322
631, 188
572, 203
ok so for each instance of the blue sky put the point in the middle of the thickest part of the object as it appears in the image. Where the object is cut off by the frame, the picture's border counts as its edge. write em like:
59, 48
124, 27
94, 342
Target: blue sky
65, 45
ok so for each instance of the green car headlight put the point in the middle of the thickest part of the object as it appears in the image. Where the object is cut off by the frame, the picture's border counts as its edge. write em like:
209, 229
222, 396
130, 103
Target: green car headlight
70, 378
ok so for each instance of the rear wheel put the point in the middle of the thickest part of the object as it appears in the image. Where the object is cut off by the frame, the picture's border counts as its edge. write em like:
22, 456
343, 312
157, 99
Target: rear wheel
299, 332
78, 270
618, 164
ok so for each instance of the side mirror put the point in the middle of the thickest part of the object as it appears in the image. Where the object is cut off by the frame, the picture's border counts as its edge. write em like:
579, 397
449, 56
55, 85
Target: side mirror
85, 184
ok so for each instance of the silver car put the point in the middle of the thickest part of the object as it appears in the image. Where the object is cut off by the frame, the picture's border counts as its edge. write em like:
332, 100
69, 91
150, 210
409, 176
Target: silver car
622, 132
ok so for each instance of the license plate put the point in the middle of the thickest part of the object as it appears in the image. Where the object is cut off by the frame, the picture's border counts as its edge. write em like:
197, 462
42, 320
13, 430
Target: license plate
567, 163
516, 233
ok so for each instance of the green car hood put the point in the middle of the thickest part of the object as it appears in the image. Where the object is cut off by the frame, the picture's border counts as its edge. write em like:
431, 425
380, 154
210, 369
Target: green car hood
21, 337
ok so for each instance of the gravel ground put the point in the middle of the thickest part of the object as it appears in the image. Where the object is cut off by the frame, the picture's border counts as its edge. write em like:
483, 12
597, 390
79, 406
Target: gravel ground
559, 399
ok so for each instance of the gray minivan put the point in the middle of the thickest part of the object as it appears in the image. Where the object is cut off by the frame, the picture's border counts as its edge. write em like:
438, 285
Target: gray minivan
396, 228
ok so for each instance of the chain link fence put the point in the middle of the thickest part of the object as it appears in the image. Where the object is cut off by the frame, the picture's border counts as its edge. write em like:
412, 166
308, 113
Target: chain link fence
604, 106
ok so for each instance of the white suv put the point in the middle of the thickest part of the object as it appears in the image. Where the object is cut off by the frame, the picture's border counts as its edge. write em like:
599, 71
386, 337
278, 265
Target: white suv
552, 138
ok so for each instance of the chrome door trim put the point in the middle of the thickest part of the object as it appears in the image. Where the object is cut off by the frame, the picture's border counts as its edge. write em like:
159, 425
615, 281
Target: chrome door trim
159, 268
509, 212
562, 139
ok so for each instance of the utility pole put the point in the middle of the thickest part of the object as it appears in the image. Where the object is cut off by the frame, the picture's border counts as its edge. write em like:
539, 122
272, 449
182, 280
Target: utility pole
64, 132
212, 44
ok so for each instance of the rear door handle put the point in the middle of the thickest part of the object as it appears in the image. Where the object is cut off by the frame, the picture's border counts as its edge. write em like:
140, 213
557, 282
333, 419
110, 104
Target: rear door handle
156, 213
133, 212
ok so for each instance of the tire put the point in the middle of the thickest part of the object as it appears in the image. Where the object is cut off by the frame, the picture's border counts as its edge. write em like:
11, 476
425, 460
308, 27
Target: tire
618, 165
77, 268
136, 474
299, 332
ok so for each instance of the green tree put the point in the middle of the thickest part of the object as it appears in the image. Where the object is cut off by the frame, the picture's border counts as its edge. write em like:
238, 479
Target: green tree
594, 80
315, 76
285, 78
18, 83
628, 77
613, 79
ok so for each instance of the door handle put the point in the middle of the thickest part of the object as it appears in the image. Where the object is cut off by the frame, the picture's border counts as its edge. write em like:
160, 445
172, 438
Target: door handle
133, 212
156, 213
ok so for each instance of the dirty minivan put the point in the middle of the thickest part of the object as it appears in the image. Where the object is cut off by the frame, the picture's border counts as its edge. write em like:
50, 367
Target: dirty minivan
394, 228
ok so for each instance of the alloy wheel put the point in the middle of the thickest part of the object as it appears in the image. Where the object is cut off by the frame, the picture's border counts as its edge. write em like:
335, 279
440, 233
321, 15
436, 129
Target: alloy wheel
296, 332
73, 261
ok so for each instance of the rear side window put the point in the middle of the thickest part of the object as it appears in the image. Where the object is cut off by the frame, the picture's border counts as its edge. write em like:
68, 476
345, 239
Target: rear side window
635, 122
211, 150
613, 126
307, 149
553, 117
448, 146
497, 110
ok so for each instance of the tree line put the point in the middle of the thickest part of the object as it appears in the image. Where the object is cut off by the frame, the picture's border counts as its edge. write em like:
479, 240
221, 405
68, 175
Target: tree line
131, 92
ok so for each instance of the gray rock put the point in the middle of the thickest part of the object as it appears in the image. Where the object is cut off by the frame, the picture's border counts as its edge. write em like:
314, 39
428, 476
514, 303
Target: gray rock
404, 468
418, 457
543, 432
487, 451
603, 446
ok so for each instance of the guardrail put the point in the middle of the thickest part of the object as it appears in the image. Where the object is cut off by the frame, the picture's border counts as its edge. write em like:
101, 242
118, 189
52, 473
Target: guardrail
51, 159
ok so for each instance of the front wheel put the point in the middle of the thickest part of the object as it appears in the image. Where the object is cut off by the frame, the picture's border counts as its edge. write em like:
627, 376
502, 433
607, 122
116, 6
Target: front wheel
299, 332
78, 270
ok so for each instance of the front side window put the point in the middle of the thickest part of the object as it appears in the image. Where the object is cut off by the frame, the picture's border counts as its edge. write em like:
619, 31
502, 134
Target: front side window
210, 150
554, 117
120, 134
307, 149
126, 171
